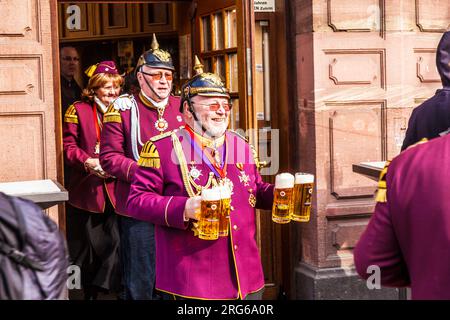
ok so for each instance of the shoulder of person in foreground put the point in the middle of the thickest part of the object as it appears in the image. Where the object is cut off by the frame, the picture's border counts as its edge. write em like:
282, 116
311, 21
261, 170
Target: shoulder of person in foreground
120, 104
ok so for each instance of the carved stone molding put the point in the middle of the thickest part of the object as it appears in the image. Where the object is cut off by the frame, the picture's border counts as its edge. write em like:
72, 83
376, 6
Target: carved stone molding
345, 234
26, 141
357, 59
21, 79
20, 18
343, 16
426, 65
433, 16
357, 132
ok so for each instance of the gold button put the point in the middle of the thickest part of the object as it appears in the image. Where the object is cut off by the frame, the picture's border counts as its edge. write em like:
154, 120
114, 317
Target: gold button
235, 227
235, 247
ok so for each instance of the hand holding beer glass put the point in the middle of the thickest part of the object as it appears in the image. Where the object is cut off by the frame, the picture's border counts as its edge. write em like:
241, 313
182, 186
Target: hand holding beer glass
303, 189
292, 199
282, 201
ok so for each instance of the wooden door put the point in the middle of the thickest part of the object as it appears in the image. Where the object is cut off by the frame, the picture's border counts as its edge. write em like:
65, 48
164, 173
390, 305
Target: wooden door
28, 123
223, 34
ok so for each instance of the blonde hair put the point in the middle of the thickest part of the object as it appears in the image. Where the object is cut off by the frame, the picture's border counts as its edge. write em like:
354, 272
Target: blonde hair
99, 80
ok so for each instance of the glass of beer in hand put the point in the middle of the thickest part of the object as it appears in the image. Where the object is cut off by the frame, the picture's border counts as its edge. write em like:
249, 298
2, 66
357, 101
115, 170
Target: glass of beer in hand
224, 217
208, 224
303, 189
282, 201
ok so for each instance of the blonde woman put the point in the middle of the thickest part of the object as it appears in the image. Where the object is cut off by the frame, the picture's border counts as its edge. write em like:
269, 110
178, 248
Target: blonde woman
91, 189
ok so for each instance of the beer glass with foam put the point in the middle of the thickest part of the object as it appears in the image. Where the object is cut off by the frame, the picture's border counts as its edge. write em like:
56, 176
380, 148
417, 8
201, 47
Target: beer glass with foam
224, 217
282, 201
208, 224
303, 189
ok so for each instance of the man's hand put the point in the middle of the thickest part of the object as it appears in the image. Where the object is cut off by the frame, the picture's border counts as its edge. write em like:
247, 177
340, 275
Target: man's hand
92, 165
192, 208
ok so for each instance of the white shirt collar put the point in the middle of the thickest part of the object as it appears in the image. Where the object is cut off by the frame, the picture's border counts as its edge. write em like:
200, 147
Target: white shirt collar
100, 105
161, 104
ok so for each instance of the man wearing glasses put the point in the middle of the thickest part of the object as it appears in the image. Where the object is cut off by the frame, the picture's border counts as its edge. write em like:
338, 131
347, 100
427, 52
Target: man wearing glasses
129, 122
174, 170
69, 65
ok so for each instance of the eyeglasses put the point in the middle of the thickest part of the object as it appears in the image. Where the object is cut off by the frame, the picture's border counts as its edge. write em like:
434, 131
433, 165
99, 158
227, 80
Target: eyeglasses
67, 58
158, 76
216, 106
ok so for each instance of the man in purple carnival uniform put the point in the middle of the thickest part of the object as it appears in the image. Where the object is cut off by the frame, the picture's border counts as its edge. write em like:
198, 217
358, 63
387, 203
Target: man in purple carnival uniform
408, 236
129, 123
173, 169
91, 190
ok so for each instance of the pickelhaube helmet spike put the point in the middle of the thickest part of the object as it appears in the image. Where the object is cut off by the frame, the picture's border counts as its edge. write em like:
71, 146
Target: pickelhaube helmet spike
202, 84
198, 67
155, 44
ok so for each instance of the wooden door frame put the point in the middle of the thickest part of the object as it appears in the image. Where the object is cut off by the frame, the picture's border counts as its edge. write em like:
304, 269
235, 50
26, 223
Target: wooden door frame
284, 116
57, 108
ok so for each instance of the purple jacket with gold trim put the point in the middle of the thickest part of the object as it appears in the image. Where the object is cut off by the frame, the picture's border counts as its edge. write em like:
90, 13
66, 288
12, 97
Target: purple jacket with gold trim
116, 155
227, 268
86, 191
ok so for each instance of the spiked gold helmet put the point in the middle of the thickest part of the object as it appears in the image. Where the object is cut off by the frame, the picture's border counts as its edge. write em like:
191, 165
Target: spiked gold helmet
155, 58
203, 84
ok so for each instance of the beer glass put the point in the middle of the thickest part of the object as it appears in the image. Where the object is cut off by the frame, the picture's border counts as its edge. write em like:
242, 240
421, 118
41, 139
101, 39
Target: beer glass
224, 217
208, 224
282, 201
303, 189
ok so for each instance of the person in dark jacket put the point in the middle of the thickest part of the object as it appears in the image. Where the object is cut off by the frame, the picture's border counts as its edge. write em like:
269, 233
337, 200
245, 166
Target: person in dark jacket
432, 118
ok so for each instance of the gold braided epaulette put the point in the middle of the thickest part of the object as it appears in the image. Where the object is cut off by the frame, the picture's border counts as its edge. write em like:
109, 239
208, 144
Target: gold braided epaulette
149, 157
161, 136
112, 115
382, 190
71, 115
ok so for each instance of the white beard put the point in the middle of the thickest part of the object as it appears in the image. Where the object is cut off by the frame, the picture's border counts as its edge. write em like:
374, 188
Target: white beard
212, 131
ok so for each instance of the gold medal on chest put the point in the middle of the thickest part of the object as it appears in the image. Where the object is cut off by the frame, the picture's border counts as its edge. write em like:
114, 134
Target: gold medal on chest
161, 124
252, 200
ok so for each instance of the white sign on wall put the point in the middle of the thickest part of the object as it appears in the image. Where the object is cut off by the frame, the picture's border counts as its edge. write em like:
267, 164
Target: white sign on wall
264, 5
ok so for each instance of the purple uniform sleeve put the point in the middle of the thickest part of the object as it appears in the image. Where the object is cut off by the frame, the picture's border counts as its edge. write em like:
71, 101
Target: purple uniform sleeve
378, 246
147, 202
264, 195
74, 155
112, 153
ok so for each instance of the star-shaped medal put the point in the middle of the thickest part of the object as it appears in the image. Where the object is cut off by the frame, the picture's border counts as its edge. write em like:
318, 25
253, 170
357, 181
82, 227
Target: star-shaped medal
244, 178
194, 172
